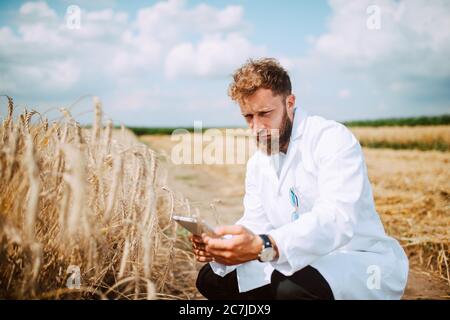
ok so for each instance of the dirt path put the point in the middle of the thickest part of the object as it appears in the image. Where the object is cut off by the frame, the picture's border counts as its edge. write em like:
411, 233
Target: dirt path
223, 185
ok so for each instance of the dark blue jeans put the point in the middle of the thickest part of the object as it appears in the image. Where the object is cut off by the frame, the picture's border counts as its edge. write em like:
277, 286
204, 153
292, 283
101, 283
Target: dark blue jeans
305, 284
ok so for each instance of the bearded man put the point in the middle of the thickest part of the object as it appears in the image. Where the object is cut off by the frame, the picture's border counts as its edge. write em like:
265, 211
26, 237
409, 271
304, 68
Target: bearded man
310, 229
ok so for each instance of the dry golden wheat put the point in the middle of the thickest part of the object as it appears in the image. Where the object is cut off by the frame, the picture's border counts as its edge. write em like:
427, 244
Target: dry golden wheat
87, 200
402, 137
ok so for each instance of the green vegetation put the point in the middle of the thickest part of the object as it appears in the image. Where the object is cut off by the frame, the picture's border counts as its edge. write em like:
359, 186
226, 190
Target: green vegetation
438, 145
417, 121
420, 133
140, 131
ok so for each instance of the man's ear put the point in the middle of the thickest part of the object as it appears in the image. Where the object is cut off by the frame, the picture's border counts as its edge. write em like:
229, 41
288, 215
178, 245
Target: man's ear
290, 104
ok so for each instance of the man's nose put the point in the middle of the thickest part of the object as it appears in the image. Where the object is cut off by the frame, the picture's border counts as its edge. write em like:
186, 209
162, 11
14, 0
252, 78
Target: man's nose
256, 125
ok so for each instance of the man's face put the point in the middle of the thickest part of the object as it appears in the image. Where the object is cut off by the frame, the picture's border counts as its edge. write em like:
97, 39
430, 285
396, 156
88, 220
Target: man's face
270, 118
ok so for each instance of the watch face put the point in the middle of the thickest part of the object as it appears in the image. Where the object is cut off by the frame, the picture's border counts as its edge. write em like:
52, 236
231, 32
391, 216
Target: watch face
268, 254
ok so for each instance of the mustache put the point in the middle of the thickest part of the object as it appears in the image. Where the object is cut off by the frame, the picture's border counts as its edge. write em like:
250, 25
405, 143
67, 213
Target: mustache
267, 133
267, 138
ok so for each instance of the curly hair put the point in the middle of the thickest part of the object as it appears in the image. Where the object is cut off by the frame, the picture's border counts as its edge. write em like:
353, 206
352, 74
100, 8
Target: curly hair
260, 73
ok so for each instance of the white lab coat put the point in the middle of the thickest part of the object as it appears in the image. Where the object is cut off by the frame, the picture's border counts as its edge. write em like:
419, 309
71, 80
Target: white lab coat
338, 231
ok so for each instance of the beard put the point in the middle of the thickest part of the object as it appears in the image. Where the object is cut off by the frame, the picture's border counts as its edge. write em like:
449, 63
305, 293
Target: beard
275, 140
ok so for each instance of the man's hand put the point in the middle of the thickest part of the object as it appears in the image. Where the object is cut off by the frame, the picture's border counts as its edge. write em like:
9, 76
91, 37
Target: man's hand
199, 249
243, 246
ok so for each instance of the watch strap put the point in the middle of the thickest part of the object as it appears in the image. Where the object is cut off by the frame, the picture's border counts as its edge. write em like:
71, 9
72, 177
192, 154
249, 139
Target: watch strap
266, 241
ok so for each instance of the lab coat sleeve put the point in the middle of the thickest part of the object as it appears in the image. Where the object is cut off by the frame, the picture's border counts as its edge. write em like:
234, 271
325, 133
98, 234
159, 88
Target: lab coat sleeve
330, 224
254, 217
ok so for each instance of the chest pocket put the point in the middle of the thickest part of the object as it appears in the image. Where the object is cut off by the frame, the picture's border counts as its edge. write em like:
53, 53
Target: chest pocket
306, 188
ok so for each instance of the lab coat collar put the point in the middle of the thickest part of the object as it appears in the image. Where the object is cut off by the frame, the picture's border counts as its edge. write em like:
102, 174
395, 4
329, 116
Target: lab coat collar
299, 123
298, 127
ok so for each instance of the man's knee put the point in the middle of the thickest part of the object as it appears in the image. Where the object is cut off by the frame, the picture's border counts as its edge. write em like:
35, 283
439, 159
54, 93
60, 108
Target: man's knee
288, 290
204, 282
215, 287
306, 284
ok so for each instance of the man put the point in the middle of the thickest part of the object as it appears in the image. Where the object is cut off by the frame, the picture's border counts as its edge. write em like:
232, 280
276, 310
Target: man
310, 229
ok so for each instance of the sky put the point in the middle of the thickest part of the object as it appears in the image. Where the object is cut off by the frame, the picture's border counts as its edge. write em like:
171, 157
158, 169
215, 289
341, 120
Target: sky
169, 63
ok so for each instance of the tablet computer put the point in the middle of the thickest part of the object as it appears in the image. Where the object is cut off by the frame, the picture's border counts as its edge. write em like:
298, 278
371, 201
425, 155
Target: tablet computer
193, 225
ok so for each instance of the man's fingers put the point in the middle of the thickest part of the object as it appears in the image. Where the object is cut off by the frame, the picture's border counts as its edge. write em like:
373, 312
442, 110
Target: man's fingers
194, 238
198, 245
233, 229
197, 242
215, 258
222, 254
204, 259
202, 253
223, 244
220, 244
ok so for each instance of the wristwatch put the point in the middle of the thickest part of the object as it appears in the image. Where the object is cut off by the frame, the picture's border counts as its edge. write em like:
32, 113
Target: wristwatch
267, 252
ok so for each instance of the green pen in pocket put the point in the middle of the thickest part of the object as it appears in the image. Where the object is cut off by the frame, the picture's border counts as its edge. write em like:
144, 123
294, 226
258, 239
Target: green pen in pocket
294, 202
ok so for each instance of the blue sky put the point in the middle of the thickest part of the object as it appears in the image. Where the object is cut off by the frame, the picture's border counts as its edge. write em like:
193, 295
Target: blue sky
168, 63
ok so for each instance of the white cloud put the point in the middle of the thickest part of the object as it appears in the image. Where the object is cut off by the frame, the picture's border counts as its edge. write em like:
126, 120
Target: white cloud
213, 55
111, 50
175, 23
403, 66
170, 20
209, 19
6, 35
38, 9
414, 37
124, 56
158, 35
42, 33
344, 93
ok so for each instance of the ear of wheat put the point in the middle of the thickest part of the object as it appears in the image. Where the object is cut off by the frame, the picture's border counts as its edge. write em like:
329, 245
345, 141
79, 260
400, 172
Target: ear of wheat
89, 201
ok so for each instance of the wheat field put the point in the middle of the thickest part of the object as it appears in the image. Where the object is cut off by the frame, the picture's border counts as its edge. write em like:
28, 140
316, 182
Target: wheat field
84, 214
411, 190
403, 137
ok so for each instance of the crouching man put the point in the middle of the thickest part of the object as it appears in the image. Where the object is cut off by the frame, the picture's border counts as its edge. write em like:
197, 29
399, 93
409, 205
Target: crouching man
310, 229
